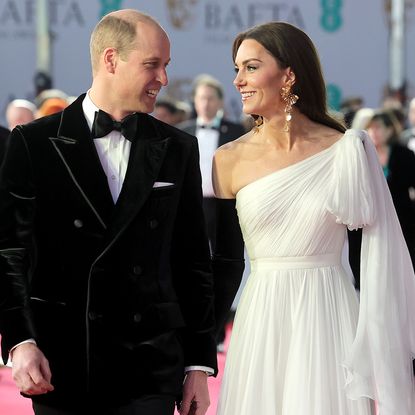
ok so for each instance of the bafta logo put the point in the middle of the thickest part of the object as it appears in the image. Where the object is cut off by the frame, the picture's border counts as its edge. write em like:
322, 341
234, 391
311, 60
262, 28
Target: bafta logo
181, 12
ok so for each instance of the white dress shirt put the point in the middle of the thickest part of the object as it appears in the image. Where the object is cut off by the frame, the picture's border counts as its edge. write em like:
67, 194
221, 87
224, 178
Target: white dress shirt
113, 151
208, 140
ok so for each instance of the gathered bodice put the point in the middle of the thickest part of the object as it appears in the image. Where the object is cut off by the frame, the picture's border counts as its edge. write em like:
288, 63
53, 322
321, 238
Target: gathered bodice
284, 214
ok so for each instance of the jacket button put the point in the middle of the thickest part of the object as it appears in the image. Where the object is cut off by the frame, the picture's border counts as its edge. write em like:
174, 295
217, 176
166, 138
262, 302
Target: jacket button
78, 223
137, 317
154, 223
137, 270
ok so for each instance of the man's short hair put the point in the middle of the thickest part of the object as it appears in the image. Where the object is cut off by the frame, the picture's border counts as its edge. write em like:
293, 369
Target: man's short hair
208, 80
117, 32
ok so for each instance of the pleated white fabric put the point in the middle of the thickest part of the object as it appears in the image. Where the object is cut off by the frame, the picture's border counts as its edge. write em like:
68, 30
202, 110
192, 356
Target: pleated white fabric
302, 344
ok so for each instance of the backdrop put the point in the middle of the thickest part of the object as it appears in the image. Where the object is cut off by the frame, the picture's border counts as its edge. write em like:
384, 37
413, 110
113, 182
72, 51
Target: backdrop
351, 36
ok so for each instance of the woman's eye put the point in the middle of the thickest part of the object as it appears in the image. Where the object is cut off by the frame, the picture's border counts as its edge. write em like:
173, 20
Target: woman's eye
251, 68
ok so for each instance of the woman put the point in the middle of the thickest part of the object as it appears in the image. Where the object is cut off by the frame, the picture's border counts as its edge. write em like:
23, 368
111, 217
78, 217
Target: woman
300, 344
398, 163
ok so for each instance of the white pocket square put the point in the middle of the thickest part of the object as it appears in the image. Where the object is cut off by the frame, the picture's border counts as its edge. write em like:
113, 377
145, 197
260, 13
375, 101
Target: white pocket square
162, 184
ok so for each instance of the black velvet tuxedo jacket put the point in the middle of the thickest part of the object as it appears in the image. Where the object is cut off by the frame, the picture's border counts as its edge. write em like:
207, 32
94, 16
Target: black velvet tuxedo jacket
118, 297
4, 133
228, 130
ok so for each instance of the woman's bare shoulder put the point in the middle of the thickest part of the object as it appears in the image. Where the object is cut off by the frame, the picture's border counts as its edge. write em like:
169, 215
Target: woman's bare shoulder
225, 160
231, 151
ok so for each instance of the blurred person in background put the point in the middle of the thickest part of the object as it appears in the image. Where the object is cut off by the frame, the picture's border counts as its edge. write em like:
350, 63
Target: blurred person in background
398, 163
247, 121
212, 130
50, 93
166, 110
184, 111
408, 135
20, 111
349, 107
361, 118
51, 106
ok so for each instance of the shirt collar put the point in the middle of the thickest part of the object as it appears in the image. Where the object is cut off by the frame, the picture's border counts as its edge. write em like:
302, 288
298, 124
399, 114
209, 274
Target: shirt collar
89, 109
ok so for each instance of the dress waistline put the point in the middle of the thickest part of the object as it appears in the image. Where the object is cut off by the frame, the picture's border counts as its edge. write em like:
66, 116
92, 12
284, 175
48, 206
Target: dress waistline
296, 262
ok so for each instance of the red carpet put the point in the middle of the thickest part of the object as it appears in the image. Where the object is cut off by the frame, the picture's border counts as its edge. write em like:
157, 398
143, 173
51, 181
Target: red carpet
11, 403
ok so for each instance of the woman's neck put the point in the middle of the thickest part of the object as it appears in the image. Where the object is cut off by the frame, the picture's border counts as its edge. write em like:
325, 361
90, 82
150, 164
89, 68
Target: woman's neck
273, 131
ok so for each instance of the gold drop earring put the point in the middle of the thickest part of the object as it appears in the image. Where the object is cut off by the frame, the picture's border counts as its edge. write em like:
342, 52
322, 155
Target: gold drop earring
290, 99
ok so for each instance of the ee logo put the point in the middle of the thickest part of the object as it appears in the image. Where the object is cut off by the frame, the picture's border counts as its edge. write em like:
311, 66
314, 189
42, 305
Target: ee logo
108, 6
331, 18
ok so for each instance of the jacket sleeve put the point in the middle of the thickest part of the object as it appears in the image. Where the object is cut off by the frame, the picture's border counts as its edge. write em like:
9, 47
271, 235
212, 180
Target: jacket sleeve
228, 258
17, 208
192, 270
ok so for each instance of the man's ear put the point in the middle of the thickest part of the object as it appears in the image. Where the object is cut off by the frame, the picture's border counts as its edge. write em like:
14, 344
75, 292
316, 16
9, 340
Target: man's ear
110, 57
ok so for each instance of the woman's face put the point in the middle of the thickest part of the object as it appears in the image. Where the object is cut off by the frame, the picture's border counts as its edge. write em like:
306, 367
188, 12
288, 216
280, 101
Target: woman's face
259, 79
378, 132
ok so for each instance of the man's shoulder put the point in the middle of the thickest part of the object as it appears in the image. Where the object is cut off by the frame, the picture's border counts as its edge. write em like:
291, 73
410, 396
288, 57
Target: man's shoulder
50, 124
44, 126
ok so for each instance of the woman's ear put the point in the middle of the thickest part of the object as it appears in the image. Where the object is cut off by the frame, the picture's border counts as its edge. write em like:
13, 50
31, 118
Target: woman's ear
291, 76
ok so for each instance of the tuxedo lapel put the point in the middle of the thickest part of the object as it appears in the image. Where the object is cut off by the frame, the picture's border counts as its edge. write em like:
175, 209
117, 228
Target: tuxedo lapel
77, 152
146, 157
223, 133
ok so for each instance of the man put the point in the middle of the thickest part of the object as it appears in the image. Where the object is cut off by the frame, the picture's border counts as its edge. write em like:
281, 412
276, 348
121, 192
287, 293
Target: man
212, 130
105, 288
20, 111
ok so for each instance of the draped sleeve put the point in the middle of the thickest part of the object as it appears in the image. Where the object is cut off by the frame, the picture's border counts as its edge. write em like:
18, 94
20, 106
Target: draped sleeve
379, 363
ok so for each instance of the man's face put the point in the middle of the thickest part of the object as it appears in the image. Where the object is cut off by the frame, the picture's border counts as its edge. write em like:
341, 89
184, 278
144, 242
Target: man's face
140, 77
207, 102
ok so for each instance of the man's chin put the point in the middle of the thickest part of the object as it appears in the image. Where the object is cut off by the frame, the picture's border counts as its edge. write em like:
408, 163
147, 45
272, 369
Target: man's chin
145, 107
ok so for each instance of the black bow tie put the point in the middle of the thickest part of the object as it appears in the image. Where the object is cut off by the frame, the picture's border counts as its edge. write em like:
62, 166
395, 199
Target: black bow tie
208, 127
103, 124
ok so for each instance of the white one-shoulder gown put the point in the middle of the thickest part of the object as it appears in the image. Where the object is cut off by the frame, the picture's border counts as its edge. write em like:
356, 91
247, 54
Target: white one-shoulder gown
302, 342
